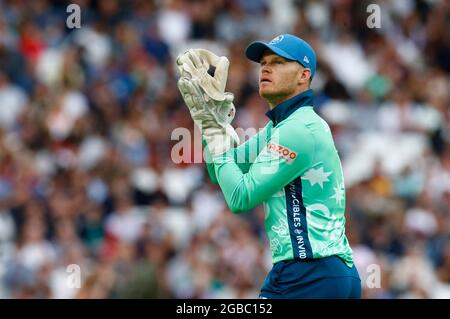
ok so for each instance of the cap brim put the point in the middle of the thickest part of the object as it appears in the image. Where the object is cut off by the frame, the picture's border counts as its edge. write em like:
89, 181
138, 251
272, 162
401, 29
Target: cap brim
256, 49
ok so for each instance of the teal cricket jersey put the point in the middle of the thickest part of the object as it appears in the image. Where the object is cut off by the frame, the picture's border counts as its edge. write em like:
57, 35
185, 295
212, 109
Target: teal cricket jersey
293, 168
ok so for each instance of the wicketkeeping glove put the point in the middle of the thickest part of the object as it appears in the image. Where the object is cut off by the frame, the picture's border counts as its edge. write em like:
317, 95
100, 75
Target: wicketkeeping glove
196, 63
219, 137
211, 108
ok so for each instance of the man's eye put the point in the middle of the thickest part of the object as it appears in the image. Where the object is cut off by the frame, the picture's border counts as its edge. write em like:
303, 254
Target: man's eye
278, 62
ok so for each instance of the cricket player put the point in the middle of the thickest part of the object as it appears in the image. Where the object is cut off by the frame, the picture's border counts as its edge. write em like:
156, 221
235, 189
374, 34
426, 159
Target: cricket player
291, 166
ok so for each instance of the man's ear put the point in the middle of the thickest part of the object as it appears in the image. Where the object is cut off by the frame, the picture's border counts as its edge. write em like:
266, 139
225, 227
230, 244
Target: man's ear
304, 76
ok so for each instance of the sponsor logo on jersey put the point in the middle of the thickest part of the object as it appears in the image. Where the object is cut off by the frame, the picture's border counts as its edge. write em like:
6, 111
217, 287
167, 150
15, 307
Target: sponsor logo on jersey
285, 152
298, 227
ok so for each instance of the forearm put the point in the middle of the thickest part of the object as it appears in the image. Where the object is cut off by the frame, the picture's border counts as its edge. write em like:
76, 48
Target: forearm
244, 155
234, 153
270, 172
209, 164
238, 194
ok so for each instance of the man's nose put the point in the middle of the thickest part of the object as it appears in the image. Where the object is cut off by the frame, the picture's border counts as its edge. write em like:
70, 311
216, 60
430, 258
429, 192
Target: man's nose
265, 69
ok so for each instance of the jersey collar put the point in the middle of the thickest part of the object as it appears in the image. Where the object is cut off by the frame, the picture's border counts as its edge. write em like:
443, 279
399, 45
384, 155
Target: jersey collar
286, 108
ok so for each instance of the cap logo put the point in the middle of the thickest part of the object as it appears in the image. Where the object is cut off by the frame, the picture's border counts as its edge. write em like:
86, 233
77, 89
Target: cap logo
277, 39
305, 59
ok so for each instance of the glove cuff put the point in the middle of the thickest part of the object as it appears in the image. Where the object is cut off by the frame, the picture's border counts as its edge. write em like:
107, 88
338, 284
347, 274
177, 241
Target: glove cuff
220, 140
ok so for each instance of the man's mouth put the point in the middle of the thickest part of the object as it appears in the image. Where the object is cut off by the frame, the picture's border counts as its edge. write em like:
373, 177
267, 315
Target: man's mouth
265, 80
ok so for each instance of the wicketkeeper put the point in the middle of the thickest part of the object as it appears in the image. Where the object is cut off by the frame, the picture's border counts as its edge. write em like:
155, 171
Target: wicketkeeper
296, 171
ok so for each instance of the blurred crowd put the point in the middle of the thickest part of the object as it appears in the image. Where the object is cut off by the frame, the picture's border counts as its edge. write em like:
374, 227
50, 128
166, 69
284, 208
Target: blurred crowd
87, 175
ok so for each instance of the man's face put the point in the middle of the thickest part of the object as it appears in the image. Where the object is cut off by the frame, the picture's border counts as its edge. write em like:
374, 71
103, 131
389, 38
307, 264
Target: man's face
278, 77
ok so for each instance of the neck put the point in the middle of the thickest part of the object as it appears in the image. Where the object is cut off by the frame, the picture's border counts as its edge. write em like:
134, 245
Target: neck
273, 101
287, 107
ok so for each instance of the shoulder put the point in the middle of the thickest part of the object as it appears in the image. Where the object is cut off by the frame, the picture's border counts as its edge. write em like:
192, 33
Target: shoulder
307, 121
294, 135
300, 123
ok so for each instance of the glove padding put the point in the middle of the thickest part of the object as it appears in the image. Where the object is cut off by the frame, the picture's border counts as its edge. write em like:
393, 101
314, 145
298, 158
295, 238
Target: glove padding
195, 63
211, 108
205, 111
212, 117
